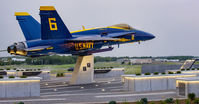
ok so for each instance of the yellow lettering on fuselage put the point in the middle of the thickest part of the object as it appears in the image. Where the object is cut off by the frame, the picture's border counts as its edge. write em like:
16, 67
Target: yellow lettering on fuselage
86, 45
49, 48
132, 37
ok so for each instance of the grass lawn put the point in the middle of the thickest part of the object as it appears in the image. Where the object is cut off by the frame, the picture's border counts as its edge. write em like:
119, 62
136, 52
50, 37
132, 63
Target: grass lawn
129, 69
53, 68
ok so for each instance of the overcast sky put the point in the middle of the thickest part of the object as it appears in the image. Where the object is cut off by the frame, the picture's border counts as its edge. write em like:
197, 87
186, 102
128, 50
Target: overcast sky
175, 23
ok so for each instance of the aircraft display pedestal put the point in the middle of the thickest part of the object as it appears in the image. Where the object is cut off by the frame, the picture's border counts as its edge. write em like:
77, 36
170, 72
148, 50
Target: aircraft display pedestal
84, 70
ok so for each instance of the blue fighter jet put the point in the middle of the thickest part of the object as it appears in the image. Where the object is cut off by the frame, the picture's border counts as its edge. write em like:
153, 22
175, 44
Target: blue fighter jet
53, 37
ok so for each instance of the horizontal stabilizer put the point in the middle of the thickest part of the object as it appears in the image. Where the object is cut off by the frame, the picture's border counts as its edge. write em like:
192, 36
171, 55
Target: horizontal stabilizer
37, 48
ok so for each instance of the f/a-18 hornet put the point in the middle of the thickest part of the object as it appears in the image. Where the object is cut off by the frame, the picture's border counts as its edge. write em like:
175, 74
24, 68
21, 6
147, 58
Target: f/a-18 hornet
53, 37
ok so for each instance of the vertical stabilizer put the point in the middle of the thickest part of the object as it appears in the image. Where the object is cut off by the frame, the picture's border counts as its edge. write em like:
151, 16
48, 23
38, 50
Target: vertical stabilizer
52, 26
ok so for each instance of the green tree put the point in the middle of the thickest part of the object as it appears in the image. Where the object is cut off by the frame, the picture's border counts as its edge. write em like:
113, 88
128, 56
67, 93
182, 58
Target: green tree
191, 96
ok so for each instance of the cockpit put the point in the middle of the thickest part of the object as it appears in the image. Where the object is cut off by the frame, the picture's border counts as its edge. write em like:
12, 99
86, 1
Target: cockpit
123, 26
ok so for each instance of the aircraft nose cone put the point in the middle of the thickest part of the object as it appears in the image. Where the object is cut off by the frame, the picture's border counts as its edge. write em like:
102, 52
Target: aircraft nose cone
152, 36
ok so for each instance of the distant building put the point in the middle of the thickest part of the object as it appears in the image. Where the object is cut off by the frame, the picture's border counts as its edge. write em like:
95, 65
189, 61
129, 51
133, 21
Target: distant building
18, 59
4, 59
160, 60
141, 61
134, 61
123, 61
167, 60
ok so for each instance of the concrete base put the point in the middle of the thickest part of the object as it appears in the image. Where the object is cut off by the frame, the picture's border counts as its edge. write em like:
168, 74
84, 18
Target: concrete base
187, 85
19, 87
115, 72
83, 71
148, 83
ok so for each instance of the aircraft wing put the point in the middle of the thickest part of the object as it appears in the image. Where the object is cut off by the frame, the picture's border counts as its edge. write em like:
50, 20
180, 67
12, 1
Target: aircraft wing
93, 38
37, 48
118, 34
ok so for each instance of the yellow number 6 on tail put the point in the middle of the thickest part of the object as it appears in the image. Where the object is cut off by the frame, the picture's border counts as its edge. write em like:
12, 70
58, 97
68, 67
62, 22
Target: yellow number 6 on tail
53, 26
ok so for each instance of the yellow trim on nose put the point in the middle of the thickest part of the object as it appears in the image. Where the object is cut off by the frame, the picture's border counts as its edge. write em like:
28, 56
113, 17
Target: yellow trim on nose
21, 14
47, 8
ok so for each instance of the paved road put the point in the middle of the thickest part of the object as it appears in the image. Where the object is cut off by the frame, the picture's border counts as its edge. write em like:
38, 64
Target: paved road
58, 91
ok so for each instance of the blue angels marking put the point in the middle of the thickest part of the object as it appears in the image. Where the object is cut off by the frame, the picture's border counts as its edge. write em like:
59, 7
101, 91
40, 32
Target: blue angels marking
82, 45
52, 36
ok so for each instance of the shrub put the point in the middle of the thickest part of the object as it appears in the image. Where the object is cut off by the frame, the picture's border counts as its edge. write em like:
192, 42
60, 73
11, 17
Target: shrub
193, 69
17, 70
1, 77
60, 74
20, 103
169, 101
138, 74
7, 68
170, 72
143, 101
151, 103
1, 69
138, 102
178, 72
14, 68
197, 68
38, 69
11, 76
196, 101
187, 101
188, 69
191, 96
22, 70
163, 73
177, 101
23, 76
112, 102
155, 73
147, 74
182, 69
162, 102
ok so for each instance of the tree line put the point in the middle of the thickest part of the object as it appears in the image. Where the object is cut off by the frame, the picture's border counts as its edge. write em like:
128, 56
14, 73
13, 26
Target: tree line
59, 60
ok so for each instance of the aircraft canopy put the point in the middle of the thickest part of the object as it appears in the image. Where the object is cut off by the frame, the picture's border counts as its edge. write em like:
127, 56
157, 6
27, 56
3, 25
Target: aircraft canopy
124, 26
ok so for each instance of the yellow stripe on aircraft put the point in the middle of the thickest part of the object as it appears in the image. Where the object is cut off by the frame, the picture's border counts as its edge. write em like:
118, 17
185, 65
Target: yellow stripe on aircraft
47, 8
96, 28
21, 14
